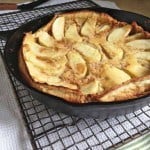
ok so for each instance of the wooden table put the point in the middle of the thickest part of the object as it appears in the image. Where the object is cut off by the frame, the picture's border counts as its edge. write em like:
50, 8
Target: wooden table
137, 6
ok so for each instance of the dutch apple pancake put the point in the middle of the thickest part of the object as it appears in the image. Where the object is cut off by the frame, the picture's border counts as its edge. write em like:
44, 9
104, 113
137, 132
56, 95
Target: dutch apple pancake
86, 56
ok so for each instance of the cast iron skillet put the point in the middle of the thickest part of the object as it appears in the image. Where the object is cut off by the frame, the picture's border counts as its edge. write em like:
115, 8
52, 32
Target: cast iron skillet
95, 110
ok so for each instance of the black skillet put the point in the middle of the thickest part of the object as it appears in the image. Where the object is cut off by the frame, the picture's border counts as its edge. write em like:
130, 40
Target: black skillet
95, 110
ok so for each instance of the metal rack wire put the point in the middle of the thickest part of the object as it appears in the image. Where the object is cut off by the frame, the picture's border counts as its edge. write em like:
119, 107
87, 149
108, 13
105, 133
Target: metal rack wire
51, 130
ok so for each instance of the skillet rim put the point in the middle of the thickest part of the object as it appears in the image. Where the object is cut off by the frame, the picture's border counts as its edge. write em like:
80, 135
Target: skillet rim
114, 104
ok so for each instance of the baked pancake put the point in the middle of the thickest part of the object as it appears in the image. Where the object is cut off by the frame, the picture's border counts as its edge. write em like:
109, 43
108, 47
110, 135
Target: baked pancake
86, 56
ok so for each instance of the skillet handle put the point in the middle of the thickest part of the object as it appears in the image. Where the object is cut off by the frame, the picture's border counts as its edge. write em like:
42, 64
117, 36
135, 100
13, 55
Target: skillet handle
4, 35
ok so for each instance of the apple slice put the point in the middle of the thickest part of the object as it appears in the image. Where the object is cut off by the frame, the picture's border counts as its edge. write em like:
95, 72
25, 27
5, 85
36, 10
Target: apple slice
92, 87
143, 55
58, 28
128, 90
134, 37
138, 70
77, 63
50, 67
112, 50
118, 34
45, 39
81, 17
140, 44
42, 51
72, 33
114, 76
88, 28
29, 37
102, 28
90, 53
39, 76
135, 68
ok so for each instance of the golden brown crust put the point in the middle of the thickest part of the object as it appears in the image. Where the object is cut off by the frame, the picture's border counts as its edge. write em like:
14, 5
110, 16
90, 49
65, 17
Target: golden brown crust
93, 78
67, 94
134, 88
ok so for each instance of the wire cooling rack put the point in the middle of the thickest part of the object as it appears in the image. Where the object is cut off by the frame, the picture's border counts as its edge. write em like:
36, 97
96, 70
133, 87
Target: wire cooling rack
50, 130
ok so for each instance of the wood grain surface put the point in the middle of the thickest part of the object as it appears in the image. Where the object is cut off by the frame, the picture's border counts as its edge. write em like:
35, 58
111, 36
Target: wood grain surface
14, 1
137, 6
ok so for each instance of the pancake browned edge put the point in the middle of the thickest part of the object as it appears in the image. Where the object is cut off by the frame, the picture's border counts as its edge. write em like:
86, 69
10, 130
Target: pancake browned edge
65, 93
136, 87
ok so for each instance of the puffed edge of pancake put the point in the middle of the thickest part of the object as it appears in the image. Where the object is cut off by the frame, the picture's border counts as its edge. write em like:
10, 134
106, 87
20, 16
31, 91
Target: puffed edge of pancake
67, 94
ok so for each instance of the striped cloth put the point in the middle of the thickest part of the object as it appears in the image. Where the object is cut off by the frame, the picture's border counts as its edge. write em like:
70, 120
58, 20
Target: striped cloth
141, 143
